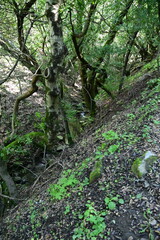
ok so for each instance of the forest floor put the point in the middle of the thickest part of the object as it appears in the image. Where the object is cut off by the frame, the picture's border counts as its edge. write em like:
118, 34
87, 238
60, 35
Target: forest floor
62, 204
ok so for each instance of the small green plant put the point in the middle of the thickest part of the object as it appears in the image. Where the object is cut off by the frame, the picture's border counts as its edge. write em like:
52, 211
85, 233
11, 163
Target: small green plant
21, 147
69, 110
113, 148
131, 116
59, 190
40, 124
146, 132
112, 201
102, 147
34, 220
92, 224
139, 196
146, 226
153, 82
129, 138
110, 135
67, 209
99, 155
156, 122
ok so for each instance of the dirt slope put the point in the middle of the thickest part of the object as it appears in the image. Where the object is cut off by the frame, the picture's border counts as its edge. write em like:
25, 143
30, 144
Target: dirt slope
117, 205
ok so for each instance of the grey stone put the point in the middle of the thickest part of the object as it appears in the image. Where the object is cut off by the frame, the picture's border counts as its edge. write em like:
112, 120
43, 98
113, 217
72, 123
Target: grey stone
142, 164
153, 222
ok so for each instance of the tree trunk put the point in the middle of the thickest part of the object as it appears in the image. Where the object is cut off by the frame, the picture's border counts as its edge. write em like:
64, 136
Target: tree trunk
7, 179
87, 71
126, 59
53, 73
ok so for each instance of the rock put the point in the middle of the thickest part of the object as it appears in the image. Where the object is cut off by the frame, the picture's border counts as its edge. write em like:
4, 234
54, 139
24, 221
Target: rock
146, 184
130, 238
96, 172
142, 164
153, 222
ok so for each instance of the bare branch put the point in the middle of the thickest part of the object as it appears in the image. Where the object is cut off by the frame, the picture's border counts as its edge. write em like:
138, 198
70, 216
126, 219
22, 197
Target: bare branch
11, 198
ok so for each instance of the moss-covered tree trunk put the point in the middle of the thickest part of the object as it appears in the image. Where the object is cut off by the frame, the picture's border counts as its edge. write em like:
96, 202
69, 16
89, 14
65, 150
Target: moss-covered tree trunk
88, 88
53, 73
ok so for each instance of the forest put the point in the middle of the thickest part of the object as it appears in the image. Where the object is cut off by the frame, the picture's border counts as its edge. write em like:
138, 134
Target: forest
79, 120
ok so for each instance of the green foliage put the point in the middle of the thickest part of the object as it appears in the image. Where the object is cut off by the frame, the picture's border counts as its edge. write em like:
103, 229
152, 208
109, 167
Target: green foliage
112, 201
67, 209
110, 135
99, 155
154, 83
69, 110
146, 226
131, 116
139, 196
92, 224
113, 148
129, 138
60, 190
35, 221
21, 146
105, 148
40, 124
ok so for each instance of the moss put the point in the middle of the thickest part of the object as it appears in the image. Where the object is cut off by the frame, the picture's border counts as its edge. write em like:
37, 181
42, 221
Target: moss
36, 138
96, 172
150, 161
141, 165
135, 167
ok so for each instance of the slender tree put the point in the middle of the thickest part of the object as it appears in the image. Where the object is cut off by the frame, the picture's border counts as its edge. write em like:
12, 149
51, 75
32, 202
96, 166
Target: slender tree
54, 71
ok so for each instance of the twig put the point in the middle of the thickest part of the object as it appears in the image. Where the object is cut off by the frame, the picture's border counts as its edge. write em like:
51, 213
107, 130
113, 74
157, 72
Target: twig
11, 198
28, 170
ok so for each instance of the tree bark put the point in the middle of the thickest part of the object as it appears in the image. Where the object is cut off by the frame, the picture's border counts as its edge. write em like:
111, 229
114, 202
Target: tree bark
21, 14
53, 73
88, 73
7, 179
126, 59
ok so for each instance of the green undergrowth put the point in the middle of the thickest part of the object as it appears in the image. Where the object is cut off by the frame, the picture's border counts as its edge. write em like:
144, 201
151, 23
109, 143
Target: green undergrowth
22, 146
88, 216
152, 65
91, 221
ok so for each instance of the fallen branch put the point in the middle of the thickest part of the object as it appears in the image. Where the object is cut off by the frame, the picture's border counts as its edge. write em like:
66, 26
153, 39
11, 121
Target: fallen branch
11, 198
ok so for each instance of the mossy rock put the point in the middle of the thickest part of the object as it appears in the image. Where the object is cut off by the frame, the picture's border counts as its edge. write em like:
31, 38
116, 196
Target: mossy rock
96, 172
143, 164
17, 146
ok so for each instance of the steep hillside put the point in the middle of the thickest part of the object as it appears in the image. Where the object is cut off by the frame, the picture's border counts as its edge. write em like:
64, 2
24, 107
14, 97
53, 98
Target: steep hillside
89, 192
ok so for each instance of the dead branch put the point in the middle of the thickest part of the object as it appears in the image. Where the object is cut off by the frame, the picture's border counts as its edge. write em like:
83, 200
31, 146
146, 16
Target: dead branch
11, 198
